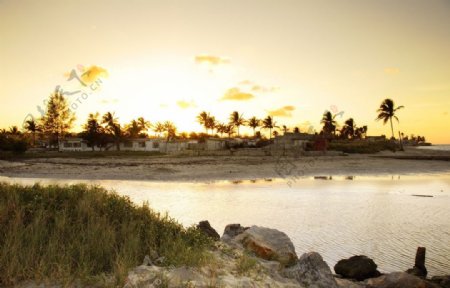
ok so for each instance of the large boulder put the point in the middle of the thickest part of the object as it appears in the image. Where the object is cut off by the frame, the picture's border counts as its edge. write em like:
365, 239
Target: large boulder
399, 280
231, 231
311, 271
357, 267
268, 244
206, 228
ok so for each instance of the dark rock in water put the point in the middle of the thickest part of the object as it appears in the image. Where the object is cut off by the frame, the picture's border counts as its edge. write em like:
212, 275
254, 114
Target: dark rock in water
419, 268
399, 280
206, 228
357, 267
442, 281
268, 244
311, 271
232, 230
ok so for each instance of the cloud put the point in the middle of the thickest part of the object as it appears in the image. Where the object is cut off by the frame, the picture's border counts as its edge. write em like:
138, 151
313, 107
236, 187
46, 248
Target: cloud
285, 111
256, 87
235, 94
87, 75
109, 101
211, 60
391, 70
185, 105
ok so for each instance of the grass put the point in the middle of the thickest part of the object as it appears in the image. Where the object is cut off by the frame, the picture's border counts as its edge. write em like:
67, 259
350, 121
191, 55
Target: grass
8, 155
245, 264
362, 147
67, 234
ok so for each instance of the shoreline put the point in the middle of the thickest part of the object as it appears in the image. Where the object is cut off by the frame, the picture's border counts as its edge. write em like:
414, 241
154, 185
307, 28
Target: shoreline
168, 168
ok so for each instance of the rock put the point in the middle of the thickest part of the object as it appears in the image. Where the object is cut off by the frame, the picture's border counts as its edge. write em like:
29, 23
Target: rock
357, 267
231, 231
268, 244
345, 283
419, 268
311, 271
399, 280
147, 261
442, 281
206, 228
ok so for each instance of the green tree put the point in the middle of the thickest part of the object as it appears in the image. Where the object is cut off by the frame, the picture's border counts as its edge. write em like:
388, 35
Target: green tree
93, 131
329, 123
58, 119
159, 128
237, 120
202, 118
32, 127
113, 128
269, 123
254, 123
387, 111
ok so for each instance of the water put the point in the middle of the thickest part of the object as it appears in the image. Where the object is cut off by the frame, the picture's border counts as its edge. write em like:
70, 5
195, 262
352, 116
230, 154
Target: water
375, 216
443, 147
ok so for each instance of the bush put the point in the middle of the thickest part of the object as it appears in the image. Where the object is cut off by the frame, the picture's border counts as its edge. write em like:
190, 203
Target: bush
77, 233
363, 147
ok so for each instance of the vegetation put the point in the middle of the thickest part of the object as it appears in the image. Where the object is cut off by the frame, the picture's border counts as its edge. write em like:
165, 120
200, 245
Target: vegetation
81, 233
387, 111
362, 147
58, 119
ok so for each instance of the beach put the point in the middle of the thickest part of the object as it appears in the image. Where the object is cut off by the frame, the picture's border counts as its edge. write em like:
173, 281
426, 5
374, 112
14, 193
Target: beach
212, 168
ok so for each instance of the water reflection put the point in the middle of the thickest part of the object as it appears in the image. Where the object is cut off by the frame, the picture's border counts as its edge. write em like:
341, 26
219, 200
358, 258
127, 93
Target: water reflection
374, 216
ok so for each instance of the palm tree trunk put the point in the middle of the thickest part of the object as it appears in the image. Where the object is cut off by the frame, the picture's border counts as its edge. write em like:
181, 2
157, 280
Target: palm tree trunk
392, 128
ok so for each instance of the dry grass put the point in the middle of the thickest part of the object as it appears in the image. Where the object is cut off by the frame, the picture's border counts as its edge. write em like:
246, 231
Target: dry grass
77, 233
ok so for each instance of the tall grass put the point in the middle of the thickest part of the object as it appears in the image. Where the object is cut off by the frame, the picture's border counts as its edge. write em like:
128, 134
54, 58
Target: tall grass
71, 233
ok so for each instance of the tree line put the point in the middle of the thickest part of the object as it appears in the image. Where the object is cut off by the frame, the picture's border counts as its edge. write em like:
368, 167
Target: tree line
99, 130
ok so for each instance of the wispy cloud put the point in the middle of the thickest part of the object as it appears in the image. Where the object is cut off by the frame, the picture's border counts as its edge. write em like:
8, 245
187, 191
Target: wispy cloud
285, 111
109, 101
185, 104
210, 59
256, 87
235, 94
391, 70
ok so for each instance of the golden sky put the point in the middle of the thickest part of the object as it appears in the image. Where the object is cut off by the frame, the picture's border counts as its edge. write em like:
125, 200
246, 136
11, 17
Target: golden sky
170, 60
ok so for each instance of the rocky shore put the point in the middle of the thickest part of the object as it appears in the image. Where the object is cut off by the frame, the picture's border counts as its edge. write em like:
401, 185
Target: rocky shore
263, 257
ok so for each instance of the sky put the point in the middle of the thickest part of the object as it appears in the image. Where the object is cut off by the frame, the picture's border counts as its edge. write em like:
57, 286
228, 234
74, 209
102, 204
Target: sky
170, 60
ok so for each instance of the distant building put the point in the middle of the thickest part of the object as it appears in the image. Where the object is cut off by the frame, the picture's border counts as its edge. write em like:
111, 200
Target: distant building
292, 140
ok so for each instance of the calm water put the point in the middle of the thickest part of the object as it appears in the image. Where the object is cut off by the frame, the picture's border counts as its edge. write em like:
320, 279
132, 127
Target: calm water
375, 216
443, 147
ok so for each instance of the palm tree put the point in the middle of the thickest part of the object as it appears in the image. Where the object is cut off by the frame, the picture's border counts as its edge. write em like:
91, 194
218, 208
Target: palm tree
229, 129
285, 129
113, 127
32, 127
170, 129
93, 132
386, 112
254, 123
349, 128
329, 123
144, 124
237, 120
133, 129
269, 123
211, 123
221, 128
202, 118
14, 130
159, 128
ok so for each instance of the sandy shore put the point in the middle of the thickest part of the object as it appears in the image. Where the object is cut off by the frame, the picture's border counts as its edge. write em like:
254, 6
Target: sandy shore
173, 168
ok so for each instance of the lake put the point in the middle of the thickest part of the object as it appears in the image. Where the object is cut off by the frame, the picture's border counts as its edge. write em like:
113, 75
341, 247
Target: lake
385, 218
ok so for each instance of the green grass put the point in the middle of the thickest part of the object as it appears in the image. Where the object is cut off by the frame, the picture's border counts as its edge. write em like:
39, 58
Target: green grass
362, 147
245, 264
7, 155
67, 234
